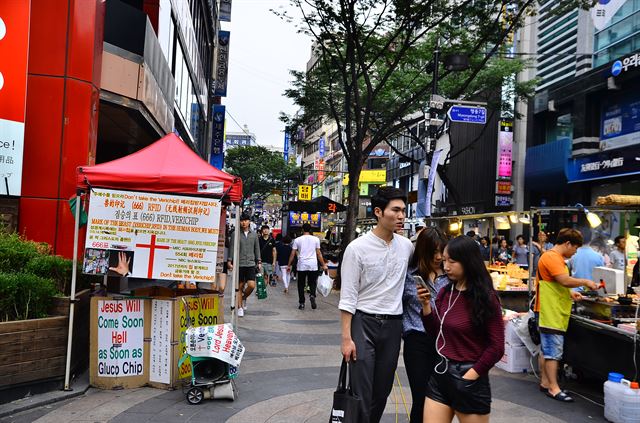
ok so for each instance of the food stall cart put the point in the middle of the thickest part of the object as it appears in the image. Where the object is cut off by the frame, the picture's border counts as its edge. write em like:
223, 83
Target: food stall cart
603, 329
509, 281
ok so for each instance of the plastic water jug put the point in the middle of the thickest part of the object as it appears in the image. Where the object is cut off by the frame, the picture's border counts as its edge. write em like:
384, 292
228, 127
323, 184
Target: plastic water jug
630, 402
613, 393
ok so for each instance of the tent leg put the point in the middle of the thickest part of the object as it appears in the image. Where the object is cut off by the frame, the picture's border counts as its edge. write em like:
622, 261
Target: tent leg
235, 274
72, 297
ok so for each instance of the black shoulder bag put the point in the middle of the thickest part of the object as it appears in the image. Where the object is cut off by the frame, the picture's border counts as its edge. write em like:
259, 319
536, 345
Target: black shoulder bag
346, 405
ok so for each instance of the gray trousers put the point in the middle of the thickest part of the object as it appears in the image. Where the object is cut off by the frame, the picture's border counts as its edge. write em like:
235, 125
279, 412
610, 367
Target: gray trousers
377, 349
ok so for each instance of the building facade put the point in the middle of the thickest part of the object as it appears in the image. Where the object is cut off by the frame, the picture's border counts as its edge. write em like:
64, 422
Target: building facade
105, 79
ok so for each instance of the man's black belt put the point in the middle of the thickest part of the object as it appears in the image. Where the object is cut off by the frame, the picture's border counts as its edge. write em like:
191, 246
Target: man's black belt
382, 316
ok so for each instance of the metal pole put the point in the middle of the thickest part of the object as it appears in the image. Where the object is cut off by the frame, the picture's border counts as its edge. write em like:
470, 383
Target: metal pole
235, 278
72, 297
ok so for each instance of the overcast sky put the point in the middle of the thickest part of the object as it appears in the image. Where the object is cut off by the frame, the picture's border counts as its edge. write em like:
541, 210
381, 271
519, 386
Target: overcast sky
262, 50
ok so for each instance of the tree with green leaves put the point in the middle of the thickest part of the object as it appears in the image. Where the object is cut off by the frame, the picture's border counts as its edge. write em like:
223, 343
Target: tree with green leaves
262, 171
373, 71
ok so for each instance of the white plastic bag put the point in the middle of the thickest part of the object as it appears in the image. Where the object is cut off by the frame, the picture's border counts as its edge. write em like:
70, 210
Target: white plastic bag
325, 283
522, 330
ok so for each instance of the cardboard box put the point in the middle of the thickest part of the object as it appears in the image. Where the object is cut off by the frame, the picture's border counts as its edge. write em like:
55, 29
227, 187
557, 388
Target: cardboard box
510, 335
516, 359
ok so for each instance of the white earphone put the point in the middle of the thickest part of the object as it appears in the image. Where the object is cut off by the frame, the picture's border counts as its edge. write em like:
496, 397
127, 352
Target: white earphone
443, 359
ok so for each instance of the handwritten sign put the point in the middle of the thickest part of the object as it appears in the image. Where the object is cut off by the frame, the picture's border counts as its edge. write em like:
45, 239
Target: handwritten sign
120, 338
160, 355
218, 341
159, 236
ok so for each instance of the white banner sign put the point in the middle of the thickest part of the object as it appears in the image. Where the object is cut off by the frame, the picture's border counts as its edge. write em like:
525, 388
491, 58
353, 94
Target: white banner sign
120, 338
153, 236
217, 341
160, 360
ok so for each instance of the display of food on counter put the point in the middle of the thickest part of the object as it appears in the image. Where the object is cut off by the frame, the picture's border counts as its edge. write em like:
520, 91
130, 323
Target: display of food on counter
511, 269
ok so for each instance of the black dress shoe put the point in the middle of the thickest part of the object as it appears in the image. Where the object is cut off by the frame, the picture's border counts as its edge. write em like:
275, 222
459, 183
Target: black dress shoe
313, 302
301, 306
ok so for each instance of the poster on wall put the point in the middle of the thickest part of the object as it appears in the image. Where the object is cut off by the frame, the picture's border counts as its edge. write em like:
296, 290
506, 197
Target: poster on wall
14, 43
153, 236
160, 355
120, 338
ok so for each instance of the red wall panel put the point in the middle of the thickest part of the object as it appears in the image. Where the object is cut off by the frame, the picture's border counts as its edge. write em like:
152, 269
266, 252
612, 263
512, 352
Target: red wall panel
75, 144
48, 36
43, 133
64, 236
38, 219
81, 40
62, 104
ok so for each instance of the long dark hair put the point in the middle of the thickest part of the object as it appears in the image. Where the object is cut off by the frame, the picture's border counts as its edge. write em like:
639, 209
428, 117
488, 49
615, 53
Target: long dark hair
479, 287
429, 241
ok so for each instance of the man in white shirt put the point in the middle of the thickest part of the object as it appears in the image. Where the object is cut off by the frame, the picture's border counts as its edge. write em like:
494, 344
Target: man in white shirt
618, 256
374, 267
307, 247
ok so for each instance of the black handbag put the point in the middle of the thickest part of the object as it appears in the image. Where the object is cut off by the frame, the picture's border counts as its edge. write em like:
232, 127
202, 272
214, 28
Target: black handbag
346, 405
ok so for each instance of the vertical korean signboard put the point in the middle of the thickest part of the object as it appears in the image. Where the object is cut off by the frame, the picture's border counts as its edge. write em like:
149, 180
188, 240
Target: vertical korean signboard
223, 64
504, 165
287, 140
120, 338
217, 143
14, 44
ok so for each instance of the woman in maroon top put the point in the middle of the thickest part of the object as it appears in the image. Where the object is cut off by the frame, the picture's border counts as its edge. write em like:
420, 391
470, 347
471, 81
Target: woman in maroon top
467, 319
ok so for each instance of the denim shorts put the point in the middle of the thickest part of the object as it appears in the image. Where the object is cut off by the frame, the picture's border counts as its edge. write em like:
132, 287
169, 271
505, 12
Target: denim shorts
267, 268
552, 345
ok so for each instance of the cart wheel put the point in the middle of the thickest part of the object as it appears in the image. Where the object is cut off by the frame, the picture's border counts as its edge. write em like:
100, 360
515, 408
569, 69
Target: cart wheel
195, 396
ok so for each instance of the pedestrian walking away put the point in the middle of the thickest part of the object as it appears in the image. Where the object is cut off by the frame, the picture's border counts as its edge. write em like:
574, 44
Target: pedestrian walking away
307, 249
247, 261
467, 319
373, 272
267, 254
419, 349
283, 252
553, 302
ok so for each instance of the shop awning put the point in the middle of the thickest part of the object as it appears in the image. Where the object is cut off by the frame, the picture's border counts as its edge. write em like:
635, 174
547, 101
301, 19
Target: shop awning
317, 205
168, 165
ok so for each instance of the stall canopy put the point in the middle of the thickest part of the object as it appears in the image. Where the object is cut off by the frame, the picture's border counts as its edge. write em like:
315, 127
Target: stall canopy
317, 205
168, 165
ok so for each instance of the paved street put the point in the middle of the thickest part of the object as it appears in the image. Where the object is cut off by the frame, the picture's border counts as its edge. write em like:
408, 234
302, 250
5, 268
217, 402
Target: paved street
288, 374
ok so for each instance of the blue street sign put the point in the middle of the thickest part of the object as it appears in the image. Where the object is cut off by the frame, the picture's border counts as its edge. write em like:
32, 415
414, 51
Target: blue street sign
468, 114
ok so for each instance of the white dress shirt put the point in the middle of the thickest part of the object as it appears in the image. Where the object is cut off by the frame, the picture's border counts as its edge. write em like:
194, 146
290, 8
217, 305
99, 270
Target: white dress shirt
373, 274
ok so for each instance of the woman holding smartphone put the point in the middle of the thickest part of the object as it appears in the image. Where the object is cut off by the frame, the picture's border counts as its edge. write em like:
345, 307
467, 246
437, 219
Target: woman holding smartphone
467, 319
419, 346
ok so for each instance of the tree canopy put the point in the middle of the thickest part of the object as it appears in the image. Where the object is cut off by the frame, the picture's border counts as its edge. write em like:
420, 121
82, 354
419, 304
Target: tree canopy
262, 171
373, 68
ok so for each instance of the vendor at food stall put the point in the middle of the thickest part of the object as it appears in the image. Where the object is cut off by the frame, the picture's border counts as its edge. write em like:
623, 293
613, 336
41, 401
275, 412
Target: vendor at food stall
553, 304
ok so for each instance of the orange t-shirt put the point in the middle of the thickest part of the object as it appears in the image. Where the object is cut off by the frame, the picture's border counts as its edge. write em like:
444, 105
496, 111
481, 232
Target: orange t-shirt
550, 265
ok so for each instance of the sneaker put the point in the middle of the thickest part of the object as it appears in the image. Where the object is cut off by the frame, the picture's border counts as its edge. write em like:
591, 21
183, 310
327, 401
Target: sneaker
313, 302
244, 303
301, 306
240, 312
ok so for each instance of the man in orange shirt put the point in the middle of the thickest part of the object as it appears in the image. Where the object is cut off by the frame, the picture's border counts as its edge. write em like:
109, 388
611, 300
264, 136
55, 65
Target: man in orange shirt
554, 298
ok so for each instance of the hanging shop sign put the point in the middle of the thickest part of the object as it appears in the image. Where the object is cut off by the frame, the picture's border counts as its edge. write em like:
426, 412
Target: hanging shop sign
225, 11
14, 44
153, 236
222, 69
607, 164
504, 163
217, 137
287, 141
300, 218
304, 192
120, 338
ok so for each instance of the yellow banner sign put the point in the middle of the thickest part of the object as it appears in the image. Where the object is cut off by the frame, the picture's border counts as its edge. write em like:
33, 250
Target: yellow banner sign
304, 192
369, 176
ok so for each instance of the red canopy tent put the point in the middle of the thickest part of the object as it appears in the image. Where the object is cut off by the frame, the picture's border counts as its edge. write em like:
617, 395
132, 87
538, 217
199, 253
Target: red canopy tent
168, 166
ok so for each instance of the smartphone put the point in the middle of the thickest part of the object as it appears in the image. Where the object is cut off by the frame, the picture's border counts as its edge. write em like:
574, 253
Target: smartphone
422, 283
